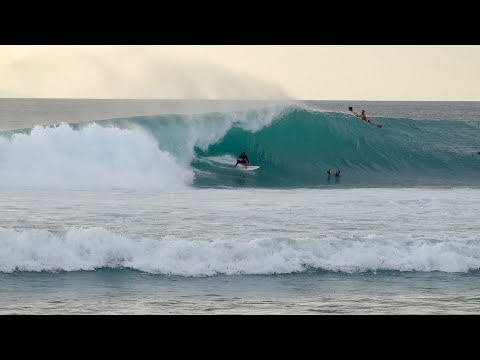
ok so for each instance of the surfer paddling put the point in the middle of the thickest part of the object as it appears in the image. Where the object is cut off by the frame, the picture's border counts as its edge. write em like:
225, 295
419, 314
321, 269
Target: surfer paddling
362, 116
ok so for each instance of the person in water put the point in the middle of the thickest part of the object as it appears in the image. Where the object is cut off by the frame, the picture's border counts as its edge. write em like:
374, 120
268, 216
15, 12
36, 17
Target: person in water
242, 159
362, 116
329, 172
337, 174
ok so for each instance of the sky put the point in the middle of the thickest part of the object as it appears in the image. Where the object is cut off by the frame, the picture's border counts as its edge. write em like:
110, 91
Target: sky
341, 72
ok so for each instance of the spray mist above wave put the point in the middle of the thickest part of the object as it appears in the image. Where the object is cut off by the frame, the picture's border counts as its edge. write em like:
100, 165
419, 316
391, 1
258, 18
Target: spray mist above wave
91, 156
94, 248
129, 72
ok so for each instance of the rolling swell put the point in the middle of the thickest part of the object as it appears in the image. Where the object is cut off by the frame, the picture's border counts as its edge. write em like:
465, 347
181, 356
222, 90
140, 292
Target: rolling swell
294, 147
298, 147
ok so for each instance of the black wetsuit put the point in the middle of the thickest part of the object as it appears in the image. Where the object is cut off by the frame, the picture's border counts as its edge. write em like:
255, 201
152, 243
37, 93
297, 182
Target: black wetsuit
242, 159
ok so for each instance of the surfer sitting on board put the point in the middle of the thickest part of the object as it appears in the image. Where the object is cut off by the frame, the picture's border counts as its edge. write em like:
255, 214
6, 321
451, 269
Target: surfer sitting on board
242, 159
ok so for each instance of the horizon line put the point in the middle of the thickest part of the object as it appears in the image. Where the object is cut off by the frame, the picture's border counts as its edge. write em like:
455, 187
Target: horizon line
201, 99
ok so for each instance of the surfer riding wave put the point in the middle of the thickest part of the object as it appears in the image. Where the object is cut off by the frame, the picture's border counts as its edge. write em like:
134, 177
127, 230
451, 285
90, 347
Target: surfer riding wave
242, 159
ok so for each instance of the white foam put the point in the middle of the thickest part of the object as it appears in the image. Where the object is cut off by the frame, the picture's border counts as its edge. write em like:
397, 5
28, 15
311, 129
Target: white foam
228, 160
257, 120
93, 248
92, 156
206, 130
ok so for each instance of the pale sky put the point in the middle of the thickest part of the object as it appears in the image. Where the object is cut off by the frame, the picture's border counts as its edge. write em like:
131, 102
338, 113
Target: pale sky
359, 72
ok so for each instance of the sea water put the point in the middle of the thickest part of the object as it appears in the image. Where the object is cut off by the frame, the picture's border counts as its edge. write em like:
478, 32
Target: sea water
134, 207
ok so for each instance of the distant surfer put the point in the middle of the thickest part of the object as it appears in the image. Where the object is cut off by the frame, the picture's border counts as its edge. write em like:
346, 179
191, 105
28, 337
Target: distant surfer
329, 172
362, 116
337, 177
242, 159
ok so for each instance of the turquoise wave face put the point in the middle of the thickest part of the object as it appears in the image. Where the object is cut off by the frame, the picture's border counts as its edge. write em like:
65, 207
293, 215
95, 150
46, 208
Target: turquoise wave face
298, 148
295, 147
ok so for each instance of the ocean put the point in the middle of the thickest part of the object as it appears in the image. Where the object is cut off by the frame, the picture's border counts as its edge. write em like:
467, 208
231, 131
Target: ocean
134, 207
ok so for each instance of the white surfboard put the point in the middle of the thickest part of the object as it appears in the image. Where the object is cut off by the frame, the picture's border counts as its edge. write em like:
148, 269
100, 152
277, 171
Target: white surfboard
248, 168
